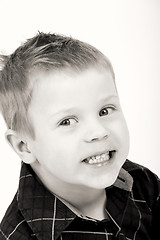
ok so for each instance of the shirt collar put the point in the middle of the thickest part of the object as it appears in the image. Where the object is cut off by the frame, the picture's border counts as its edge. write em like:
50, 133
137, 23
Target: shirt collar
124, 180
46, 214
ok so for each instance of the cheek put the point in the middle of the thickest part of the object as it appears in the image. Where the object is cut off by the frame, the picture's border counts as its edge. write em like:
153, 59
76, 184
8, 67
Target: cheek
54, 150
124, 138
120, 131
125, 130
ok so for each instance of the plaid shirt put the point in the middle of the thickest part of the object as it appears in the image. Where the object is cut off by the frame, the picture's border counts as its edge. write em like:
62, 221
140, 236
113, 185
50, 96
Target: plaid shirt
133, 207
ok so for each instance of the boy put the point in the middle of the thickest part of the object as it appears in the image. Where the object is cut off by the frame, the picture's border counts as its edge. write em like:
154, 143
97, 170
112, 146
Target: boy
61, 106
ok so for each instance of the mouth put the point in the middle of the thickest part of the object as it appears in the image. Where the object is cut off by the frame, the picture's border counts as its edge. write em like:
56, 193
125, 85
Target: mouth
100, 159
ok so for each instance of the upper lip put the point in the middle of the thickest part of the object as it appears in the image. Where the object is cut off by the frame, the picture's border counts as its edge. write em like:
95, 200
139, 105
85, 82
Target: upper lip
98, 153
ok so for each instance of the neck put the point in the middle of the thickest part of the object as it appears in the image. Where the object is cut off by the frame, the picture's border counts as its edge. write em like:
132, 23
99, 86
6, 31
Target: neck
96, 207
89, 202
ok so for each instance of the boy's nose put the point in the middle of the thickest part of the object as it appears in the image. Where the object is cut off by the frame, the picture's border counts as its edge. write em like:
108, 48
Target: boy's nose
96, 132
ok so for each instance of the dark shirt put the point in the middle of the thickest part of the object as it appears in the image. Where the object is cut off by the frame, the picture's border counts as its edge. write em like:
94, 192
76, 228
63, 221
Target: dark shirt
133, 208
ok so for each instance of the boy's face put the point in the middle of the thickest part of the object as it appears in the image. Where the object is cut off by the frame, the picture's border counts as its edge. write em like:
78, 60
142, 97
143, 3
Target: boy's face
81, 138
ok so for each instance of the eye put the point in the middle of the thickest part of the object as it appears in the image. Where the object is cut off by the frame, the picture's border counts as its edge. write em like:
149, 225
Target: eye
68, 122
105, 111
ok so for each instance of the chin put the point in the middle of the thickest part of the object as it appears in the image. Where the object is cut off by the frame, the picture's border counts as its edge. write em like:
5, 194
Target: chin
104, 182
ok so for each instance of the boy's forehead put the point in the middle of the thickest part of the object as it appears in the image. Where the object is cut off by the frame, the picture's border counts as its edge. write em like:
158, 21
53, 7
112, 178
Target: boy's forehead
61, 82
36, 76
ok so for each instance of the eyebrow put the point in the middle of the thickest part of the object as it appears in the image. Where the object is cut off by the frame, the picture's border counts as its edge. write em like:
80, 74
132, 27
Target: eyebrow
72, 109
63, 111
110, 97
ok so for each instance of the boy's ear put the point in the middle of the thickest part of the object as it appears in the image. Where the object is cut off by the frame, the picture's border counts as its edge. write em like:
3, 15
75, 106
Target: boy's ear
20, 146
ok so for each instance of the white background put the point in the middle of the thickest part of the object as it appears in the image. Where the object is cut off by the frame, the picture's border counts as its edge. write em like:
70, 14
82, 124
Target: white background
128, 32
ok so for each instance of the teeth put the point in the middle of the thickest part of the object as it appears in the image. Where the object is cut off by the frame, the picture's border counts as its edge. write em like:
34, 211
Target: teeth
98, 159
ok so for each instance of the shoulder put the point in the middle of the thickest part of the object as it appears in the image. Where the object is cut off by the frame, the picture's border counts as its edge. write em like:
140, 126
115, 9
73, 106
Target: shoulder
13, 225
146, 184
138, 172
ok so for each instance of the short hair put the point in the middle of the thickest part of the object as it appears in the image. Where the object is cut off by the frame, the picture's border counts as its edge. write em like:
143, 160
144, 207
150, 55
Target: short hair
45, 51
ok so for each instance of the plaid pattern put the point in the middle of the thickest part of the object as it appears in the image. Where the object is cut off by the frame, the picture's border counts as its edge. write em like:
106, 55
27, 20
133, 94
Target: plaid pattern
134, 211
